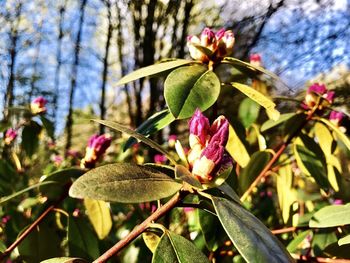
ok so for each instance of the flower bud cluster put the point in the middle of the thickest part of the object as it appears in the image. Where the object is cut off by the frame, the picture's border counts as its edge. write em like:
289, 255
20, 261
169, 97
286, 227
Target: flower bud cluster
10, 136
317, 94
38, 105
255, 60
207, 155
220, 44
97, 146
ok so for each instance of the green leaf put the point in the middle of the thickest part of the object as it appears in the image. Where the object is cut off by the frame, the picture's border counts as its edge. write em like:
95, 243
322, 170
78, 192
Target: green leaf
311, 165
248, 112
42, 243
271, 123
294, 245
30, 137
235, 146
61, 179
258, 97
321, 240
331, 216
100, 216
149, 142
256, 164
64, 260
227, 189
340, 135
125, 183
151, 240
49, 127
153, 69
18, 193
153, 124
209, 226
173, 248
344, 240
251, 238
191, 87
2, 246
81, 240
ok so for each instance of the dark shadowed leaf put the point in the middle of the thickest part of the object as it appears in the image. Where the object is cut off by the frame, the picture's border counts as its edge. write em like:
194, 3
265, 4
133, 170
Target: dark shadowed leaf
49, 127
153, 69
252, 238
256, 164
123, 182
191, 87
81, 240
331, 216
153, 124
30, 137
321, 240
173, 248
271, 123
248, 112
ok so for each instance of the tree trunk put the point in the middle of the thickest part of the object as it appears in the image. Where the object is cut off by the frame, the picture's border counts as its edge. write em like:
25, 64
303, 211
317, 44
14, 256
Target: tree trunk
73, 82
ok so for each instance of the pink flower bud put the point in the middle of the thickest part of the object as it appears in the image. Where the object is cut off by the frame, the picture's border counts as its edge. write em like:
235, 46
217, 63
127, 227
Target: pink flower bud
336, 117
160, 159
208, 39
329, 96
57, 159
10, 136
38, 105
255, 59
313, 94
219, 130
317, 88
97, 146
226, 41
172, 140
199, 129
337, 202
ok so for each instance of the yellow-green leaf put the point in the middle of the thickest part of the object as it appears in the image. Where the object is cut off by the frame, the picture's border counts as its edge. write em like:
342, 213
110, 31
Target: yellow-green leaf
236, 148
258, 97
99, 215
340, 135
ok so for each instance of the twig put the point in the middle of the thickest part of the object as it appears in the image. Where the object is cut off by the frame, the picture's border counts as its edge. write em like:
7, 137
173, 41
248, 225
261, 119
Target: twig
138, 230
287, 229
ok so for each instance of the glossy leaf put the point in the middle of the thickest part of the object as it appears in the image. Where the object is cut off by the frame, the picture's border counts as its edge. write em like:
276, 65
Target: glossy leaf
152, 70
99, 215
295, 244
64, 260
191, 87
269, 124
81, 240
331, 216
149, 142
125, 183
251, 238
248, 112
259, 98
173, 248
311, 164
42, 243
340, 135
344, 240
235, 146
153, 124
256, 164
30, 137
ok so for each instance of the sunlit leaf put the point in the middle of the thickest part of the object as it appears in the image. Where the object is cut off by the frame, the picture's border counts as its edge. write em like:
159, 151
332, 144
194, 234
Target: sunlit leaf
295, 244
125, 183
273, 123
235, 146
151, 240
152, 70
344, 240
251, 238
191, 87
260, 98
173, 248
100, 216
340, 135
331, 216
149, 142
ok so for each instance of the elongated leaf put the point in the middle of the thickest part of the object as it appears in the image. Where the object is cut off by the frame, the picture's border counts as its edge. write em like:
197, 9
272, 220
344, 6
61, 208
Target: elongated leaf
8, 198
235, 146
340, 135
191, 87
42, 243
209, 226
258, 97
271, 123
64, 260
248, 112
331, 216
153, 124
49, 127
181, 172
251, 238
149, 142
311, 164
100, 216
125, 183
294, 245
152, 70
173, 248
30, 138
229, 192
81, 240
256, 164
344, 240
